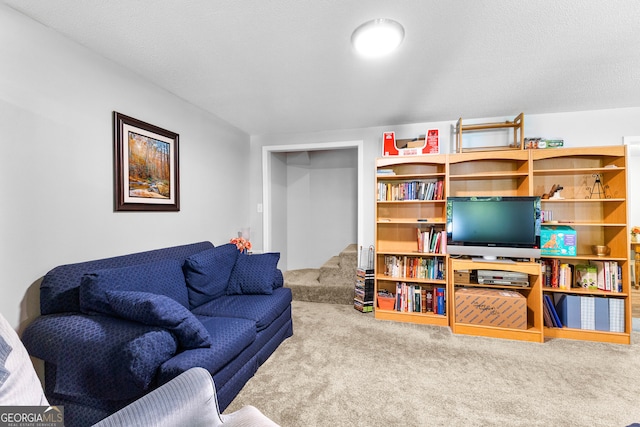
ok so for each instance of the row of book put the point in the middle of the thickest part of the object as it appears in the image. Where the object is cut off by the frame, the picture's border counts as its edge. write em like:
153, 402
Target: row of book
597, 275
364, 290
411, 298
584, 312
432, 241
410, 190
387, 172
414, 267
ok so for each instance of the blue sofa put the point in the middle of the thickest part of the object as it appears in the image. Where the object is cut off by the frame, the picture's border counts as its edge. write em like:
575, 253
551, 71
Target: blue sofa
111, 330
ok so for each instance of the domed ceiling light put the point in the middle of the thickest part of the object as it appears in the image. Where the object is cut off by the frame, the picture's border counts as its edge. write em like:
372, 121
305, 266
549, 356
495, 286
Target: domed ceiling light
378, 37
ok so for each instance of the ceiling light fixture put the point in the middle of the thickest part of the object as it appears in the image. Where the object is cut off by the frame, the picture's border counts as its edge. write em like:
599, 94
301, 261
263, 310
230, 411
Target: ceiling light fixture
377, 37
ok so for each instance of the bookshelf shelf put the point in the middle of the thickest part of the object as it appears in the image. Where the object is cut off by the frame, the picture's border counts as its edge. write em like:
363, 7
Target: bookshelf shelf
530, 334
598, 218
486, 176
410, 177
441, 282
419, 318
580, 291
412, 221
482, 285
587, 335
577, 171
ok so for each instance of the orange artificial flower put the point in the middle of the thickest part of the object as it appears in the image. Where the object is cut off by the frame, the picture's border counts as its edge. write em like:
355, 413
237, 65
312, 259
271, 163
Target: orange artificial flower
241, 243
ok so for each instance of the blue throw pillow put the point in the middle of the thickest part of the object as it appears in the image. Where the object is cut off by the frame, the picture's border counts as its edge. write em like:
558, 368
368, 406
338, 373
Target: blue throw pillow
254, 274
163, 277
278, 279
207, 273
161, 311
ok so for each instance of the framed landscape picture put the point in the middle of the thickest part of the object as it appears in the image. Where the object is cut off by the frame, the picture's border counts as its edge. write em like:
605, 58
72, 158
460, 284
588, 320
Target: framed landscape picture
146, 166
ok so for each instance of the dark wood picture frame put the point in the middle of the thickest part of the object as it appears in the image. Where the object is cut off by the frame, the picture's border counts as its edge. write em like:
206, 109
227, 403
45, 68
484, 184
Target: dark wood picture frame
146, 166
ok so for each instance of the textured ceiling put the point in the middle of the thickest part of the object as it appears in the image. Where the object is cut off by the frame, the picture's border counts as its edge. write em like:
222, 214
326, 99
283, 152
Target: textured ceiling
287, 66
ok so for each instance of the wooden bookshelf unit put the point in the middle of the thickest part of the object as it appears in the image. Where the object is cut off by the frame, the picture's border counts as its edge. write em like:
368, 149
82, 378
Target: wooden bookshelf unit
593, 202
402, 209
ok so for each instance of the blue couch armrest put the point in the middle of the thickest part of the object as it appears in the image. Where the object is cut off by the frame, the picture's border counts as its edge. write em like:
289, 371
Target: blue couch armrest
99, 356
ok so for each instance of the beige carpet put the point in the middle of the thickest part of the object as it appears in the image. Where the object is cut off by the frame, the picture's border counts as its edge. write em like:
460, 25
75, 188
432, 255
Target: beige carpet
344, 368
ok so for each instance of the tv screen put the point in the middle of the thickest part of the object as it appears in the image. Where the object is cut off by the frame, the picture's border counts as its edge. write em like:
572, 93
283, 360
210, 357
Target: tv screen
481, 223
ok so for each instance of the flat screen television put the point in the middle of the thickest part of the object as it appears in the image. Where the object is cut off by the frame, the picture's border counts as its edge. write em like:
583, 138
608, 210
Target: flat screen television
492, 227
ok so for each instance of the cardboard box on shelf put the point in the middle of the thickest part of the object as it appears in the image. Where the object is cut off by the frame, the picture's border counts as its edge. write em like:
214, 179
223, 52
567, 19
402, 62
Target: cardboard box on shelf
558, 240
491, 307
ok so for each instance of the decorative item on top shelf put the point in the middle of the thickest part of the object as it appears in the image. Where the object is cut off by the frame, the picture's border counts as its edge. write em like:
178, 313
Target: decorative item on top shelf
536, 143
243, 245
635, 234
429, 144
599, 190
518, 134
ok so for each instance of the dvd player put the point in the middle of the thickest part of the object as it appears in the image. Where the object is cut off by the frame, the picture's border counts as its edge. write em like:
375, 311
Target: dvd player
497, 277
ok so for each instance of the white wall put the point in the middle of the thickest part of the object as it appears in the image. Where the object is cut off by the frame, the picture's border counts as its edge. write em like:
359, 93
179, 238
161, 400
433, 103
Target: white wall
578, 129
56, 167
322, 201
279, 219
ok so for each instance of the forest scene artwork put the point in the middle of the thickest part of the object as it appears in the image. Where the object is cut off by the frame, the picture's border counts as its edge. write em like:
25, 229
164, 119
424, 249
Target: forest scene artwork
149, 167
146, 166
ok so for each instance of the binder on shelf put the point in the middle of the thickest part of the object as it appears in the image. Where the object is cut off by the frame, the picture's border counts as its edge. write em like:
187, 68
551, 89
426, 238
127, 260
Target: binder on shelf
587, 313
616, 315
568, 308
555, 318
602, 314
546, 315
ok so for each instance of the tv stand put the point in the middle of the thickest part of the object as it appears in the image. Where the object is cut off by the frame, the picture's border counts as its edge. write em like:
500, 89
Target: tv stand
532, 294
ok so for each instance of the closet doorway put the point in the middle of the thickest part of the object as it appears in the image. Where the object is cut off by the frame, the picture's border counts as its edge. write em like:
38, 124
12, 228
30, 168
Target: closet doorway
312, 201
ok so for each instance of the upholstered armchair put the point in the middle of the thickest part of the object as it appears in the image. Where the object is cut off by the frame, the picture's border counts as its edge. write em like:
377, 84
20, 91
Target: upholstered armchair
187, 400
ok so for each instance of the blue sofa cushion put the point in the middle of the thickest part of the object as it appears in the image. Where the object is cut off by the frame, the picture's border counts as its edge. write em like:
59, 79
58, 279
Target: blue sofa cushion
262, 309
159, 310
60, 288
164, 277
254, 274
207, 273
101, 356
230, 336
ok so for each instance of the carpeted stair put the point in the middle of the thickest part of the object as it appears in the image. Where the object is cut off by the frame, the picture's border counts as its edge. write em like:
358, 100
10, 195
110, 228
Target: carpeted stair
332, 283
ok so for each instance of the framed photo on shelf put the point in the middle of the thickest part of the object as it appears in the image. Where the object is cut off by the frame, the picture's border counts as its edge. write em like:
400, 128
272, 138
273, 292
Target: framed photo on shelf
146, 167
